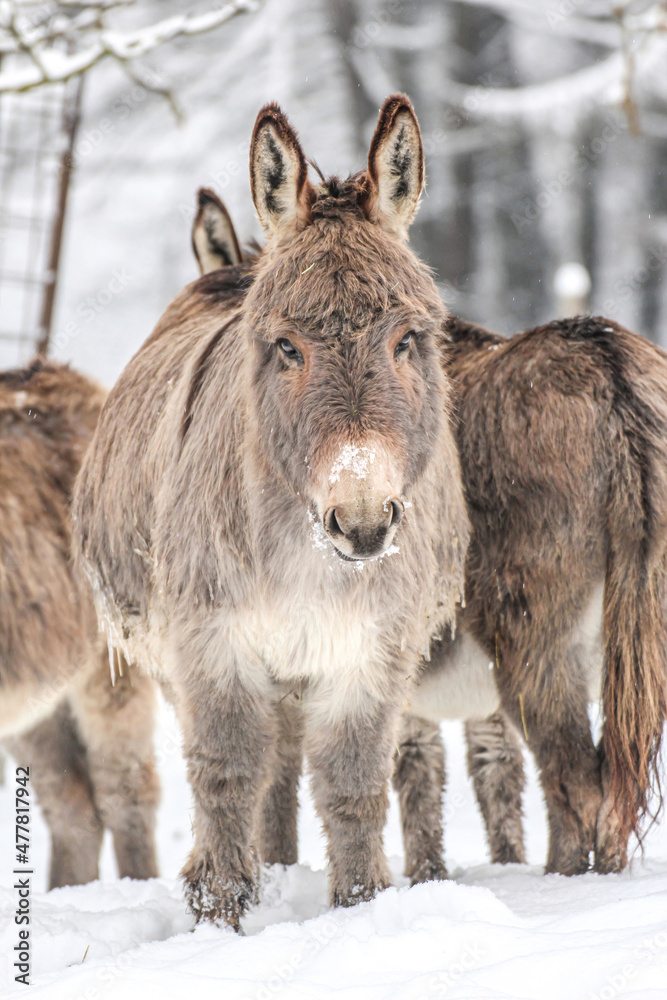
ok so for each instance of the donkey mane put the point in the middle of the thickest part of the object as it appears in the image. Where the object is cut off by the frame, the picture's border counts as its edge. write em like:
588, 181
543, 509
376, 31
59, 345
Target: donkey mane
44, 377
15, 378
227, 284
338, 198
49, 398
469, 335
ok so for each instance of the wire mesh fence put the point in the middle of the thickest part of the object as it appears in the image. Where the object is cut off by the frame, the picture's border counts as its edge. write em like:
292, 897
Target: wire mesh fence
37, 132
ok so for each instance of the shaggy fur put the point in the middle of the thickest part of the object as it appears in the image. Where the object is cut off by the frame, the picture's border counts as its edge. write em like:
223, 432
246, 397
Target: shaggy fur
495, 766
278, 836
237, 509
562, 433
89, 746
419, 780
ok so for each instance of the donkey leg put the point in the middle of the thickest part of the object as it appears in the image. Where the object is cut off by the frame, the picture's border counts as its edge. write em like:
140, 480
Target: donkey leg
116, 724
350, 758
551, 703
230, 734
279, 843
611, 842
495, 766
60, 780
570, 776
419, 780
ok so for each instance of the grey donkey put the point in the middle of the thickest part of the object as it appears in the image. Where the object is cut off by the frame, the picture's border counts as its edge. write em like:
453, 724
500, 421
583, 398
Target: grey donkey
272, 504
88, 744
494, 754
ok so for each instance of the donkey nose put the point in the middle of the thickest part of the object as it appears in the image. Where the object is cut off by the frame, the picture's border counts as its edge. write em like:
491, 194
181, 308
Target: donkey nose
360, 534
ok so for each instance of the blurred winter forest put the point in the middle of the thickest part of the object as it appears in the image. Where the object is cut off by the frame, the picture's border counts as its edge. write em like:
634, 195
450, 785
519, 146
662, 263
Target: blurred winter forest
544, 126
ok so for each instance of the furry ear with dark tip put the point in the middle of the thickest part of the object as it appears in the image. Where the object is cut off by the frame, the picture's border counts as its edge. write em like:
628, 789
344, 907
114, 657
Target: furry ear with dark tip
213, 236
279, 181
395, 167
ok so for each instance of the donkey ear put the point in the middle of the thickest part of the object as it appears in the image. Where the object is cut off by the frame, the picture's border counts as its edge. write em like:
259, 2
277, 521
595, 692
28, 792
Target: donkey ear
213, 236
395, 167
278, 174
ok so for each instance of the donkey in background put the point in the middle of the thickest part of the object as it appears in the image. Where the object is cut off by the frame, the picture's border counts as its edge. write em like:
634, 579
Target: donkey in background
591, 399
494, 758
562, 433
272, 500
88, 744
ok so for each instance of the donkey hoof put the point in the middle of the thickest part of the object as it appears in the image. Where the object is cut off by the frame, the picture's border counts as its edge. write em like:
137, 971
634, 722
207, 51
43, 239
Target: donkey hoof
608, 862
428, 871
569, 866
358, 893
211, 898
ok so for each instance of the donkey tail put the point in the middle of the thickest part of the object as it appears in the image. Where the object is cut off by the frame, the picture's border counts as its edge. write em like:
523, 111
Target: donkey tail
634, 691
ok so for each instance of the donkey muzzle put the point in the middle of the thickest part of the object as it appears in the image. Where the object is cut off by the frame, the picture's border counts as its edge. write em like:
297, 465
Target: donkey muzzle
363, 530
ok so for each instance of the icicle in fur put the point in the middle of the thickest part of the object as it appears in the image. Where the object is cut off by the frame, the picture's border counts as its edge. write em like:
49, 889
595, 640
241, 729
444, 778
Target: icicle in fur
112, 663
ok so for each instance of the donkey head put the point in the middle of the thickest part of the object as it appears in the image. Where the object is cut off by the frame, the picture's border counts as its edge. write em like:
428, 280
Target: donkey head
348, 390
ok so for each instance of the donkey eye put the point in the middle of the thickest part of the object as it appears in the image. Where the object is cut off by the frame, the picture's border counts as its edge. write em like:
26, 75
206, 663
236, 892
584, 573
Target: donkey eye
404, 344
289, 351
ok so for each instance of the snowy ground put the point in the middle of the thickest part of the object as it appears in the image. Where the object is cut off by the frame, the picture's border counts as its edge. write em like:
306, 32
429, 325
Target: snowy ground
490, 932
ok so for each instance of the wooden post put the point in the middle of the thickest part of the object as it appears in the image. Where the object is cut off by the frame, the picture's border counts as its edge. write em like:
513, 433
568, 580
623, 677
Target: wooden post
71, 116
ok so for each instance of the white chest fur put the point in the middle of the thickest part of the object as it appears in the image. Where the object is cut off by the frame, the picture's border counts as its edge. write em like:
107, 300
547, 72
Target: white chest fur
315, 641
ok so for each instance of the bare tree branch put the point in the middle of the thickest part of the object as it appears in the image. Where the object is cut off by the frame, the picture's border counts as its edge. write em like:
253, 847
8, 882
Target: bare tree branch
46, 45
635, 33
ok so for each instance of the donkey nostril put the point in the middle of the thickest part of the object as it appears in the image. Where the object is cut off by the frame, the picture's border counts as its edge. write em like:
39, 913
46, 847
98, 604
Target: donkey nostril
396, 513
331, 523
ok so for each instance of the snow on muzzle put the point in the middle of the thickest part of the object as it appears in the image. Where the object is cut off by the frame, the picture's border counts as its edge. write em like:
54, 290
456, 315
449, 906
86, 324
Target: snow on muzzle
361, 506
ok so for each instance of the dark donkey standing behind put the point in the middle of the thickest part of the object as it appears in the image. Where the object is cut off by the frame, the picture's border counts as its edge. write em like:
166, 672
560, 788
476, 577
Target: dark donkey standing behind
238, 508
562, 430
89, 746
562, 433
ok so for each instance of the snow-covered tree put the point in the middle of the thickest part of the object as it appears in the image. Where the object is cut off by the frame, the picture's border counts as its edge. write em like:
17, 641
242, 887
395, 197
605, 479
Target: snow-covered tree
544, 124
53, 41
